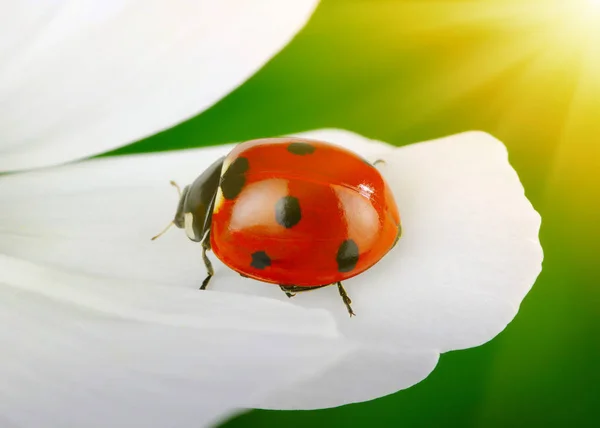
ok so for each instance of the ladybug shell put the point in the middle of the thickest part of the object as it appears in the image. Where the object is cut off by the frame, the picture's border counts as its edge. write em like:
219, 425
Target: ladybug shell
300, 212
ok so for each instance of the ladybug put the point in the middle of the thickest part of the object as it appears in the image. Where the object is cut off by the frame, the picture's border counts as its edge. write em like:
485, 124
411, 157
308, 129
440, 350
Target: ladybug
299, 213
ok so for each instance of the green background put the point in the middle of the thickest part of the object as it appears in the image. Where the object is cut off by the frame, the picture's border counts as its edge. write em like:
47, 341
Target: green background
405, 72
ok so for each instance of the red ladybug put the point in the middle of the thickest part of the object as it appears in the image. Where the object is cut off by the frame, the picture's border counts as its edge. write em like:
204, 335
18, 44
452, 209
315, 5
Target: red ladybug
299, 213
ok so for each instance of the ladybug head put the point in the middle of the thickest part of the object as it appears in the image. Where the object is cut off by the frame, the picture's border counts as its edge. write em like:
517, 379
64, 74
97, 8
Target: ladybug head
196, 201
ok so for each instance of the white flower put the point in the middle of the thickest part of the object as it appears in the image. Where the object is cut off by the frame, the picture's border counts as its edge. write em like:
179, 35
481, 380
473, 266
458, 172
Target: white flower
79, 78
102, 327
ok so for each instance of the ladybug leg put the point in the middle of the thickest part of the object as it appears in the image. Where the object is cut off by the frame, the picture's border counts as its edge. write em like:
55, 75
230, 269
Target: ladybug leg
378, 161
345, 298
286, 291
209, 268
291, 290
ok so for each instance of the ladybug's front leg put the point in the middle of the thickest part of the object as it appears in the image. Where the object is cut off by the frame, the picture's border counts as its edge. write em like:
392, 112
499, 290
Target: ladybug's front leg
207, 263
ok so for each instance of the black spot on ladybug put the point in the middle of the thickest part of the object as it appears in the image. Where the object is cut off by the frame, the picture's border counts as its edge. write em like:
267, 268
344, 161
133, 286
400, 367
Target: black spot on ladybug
287, 211
260, 260
233, 180
347, 256
301, 148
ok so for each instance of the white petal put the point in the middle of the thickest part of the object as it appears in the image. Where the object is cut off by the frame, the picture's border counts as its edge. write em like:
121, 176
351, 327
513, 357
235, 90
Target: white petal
469, 254
84, 351
81, 78
363, 375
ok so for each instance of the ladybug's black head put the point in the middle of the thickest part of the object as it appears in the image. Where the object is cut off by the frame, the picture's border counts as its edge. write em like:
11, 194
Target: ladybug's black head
194, 211
196, 202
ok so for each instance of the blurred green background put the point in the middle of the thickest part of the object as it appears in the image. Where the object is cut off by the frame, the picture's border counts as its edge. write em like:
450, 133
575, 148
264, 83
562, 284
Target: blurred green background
527, 72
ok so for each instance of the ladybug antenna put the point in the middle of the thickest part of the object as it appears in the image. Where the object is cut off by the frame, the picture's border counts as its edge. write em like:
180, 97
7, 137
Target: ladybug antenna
175, 185
163, 232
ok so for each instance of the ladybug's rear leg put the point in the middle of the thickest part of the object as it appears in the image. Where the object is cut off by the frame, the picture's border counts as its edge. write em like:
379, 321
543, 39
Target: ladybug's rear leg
209, 268
291, 290
345, 298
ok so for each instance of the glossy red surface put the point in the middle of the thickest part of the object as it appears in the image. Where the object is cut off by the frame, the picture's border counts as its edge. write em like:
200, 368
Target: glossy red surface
341, 197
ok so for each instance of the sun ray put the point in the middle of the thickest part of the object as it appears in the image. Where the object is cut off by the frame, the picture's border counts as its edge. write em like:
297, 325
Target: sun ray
417, 16
578, 154
460, 75
530, 110
551, 78
553, 34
